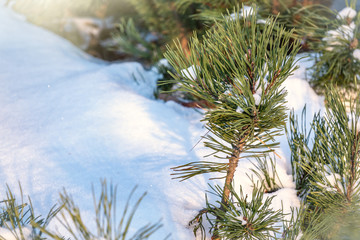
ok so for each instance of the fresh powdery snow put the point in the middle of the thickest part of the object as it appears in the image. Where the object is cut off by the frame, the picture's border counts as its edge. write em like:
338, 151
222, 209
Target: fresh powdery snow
347, 12
245, 11
68, 120
344, 32
356, 54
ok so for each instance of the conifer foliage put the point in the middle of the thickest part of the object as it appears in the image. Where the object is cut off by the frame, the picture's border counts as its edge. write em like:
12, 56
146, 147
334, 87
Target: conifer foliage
18, 218
327, 173
238, 67
337, 58
108, 226
19, 221
305, 17
243, 217
157, 23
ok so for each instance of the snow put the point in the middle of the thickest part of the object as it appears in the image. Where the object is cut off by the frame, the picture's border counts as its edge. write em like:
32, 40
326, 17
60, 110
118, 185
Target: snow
356, 54
164, 62
354, 123
68, 120
227, 92
241, 219
190, 72
261, 21
239, 110
331, 181
345, 32
347, 12
245, 11
5, 233
150, 37
257, 98
285, 198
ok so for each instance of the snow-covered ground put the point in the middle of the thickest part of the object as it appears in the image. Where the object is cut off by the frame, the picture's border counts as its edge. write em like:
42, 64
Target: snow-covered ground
68, 120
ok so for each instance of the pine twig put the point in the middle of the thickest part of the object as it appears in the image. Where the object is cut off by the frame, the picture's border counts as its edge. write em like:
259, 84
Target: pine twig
269, 147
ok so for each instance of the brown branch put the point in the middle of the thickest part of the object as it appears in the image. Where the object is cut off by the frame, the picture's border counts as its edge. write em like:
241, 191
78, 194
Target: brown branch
354, 44
269, 147
233, 163
353, 171
231, 82
184, 41
269, 86
250, 71
275, 7
253, 90
294, 3
203, 104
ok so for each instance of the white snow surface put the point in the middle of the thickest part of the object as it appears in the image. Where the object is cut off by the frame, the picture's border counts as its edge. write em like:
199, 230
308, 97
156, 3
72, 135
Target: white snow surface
68, 120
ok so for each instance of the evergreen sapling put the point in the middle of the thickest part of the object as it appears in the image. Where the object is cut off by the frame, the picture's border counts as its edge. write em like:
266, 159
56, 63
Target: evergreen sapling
327, 169
337, 58
238, 67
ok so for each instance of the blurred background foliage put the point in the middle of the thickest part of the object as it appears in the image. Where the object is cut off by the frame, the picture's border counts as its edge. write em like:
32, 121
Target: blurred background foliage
86, 23
140, 29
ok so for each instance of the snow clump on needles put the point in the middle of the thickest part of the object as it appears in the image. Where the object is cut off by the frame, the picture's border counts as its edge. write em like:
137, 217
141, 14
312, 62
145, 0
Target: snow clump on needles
347, 12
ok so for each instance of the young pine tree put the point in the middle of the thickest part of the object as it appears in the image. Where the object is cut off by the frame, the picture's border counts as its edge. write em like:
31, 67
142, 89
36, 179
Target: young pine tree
337, 58
326, 167
238, 68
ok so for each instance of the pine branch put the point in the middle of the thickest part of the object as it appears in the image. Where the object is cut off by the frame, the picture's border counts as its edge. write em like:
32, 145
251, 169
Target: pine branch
330, 168
107, 225
236, 67
192, 169
243, 218
17, 216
